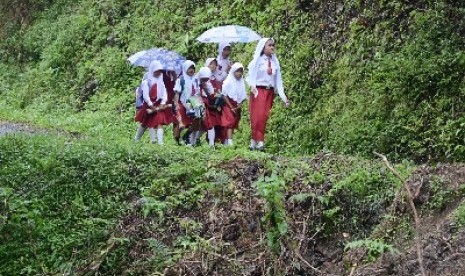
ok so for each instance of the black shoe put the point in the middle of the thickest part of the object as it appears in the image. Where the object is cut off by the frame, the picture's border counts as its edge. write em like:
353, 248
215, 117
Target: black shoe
261, 148
186, 137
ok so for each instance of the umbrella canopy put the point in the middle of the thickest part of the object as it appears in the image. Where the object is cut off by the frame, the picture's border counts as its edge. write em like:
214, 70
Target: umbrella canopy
229, 33
169, 59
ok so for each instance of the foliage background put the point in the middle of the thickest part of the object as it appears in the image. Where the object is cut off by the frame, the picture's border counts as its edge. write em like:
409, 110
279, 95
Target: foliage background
361, 75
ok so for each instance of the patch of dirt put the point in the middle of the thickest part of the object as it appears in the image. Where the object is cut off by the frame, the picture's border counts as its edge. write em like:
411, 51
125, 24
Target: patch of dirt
441, 240
10, 128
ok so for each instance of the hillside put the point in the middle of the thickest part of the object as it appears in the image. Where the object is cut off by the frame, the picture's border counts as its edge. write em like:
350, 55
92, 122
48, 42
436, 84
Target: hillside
362, 75
79, 197
76, 206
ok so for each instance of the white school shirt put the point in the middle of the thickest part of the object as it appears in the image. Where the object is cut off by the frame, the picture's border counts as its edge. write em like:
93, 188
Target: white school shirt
263, 79
161, 93
209, 89
186, 94
221, 74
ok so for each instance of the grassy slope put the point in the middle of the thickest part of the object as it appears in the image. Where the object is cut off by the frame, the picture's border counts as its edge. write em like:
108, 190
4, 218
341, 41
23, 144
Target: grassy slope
363, 76
63, 199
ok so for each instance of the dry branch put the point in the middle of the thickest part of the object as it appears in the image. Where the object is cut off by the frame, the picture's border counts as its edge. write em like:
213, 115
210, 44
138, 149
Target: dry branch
414, 211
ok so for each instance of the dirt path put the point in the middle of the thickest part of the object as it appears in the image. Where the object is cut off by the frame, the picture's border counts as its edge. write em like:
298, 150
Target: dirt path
11, 128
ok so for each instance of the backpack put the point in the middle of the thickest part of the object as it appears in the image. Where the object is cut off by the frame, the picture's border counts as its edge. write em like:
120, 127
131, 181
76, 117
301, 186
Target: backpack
139, 97
183, 83
139, 93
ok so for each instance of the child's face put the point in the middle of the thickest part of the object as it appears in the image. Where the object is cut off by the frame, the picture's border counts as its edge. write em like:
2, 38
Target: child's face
191, 71
238, 73
212, 66
157, 73
269, 48
226, 52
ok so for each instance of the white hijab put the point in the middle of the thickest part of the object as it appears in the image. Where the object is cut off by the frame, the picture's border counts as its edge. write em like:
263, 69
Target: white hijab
208, 61
187, 79
206, 73
253, 69
233, 88
221, 47
161, 89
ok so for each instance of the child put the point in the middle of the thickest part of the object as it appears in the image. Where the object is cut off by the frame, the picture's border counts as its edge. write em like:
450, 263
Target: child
206, 90
212, 122
186, 87
169, 79
234, 94
154, 93
224, 64
212, 64
264, 79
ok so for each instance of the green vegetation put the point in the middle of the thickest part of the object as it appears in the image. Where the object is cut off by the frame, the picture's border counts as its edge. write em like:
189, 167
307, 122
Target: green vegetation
374, 248
362, 76
64, 200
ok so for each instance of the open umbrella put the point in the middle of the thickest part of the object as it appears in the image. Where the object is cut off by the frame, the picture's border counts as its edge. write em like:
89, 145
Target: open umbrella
229, 33
169, 59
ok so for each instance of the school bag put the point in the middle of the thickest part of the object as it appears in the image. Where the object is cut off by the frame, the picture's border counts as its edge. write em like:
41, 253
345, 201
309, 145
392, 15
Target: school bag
139, 93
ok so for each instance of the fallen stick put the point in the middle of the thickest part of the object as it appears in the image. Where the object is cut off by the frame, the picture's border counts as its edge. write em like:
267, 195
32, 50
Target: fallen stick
414, 210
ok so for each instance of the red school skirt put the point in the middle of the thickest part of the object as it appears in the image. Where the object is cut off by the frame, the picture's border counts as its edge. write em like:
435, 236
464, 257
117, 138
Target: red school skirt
229, 119
212, 116
260, 108
150, 120
187, 121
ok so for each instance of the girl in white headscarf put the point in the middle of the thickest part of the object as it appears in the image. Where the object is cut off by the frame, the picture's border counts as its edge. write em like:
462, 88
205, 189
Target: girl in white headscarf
224, 64
155, 97
264, 79
212, 63
212, 122
169, 79
185, 87
234, 94
205, 90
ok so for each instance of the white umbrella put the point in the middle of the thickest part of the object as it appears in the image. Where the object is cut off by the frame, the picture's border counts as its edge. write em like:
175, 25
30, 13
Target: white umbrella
229, 33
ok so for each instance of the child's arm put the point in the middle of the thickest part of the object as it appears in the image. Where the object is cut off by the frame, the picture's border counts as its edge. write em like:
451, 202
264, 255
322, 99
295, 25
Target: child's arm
145, 93
176, 100
209, 88
228, 103
280, 87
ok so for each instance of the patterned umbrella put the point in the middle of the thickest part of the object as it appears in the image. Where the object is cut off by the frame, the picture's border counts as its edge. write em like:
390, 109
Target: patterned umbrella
169, 59
229, 33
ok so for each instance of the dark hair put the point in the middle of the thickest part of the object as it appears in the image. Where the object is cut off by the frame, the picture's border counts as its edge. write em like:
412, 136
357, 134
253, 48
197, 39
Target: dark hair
192, 66
214, 60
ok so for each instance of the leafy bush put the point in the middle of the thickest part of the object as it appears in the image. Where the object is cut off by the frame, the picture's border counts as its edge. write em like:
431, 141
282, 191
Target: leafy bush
361, 76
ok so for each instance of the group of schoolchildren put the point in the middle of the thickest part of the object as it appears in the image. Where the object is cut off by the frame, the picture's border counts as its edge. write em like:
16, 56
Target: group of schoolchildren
210, 101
